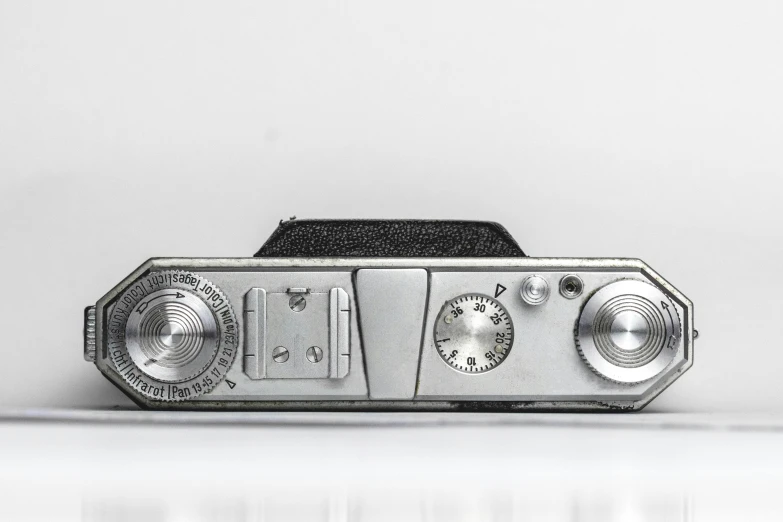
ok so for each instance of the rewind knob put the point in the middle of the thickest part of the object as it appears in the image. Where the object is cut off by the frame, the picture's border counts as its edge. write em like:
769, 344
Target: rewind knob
172, 335
628, 331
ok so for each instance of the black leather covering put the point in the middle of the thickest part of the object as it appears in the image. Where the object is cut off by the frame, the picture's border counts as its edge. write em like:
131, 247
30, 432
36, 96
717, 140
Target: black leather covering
389, 238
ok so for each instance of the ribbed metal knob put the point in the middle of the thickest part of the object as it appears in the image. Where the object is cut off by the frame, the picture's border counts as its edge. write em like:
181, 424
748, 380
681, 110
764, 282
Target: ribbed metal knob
171, 335
629, 331
89, 334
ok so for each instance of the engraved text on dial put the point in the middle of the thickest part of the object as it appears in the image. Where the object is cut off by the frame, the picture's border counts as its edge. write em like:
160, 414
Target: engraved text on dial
473, 333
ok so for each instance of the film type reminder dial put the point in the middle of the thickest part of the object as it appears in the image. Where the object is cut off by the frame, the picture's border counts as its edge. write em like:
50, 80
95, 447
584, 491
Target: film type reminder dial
473, 333
172, 335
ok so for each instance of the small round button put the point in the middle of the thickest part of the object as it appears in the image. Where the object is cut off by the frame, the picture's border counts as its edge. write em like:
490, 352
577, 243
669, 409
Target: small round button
534, 290
571, 286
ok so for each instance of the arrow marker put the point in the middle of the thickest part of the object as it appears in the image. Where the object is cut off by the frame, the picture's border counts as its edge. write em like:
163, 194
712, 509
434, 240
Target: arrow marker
143, 306
666, 307
230, 384
499, 289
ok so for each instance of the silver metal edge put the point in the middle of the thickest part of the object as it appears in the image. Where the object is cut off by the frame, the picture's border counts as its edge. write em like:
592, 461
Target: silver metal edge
687, 337
540, 263
238, 263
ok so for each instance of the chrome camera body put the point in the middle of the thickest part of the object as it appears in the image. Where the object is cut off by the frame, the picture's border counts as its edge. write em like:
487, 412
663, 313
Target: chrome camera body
464, 321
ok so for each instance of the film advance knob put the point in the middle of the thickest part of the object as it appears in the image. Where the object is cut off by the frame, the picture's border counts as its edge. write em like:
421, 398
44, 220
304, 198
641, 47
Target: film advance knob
172, 335
628, 331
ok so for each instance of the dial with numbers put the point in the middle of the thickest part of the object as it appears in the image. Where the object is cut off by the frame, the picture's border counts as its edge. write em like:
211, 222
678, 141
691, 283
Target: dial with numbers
172, 336
473, 333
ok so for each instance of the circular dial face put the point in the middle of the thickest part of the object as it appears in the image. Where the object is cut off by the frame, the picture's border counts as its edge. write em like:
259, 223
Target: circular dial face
172, 336
473, 333
628, 331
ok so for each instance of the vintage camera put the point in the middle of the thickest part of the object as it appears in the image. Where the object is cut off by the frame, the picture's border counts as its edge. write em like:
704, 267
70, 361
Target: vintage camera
392, 315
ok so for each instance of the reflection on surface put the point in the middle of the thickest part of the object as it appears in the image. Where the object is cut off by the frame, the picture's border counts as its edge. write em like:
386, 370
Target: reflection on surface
722, 503
415, 468
452, 507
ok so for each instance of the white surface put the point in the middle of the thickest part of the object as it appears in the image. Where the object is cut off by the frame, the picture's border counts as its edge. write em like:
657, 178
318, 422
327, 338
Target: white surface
588, 129
131, 130
397, 467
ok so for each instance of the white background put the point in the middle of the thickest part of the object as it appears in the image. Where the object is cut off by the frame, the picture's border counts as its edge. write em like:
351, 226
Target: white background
598, 128
140, 129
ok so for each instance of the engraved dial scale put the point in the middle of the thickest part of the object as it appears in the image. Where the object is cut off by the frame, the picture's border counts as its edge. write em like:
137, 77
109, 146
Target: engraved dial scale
473, 333
172, 336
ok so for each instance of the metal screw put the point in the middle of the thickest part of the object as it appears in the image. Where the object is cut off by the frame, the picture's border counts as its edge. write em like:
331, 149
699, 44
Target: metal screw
297, 303
314, 354
280, 354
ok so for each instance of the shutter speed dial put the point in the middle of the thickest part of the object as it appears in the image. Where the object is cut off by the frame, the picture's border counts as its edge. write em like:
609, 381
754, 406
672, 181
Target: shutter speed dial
473, 333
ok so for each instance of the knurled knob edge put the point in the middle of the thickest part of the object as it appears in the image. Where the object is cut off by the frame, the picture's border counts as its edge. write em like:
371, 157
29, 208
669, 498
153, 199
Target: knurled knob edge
584, 358
89, 334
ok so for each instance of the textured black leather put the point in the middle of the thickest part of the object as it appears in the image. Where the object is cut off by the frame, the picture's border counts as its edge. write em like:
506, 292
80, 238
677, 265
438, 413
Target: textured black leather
389, 238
